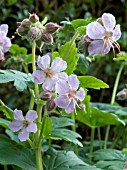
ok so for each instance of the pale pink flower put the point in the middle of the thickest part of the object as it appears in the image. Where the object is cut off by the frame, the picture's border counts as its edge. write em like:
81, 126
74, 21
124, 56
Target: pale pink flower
5, 42
50, 73
25, 124
68, 94
104, 35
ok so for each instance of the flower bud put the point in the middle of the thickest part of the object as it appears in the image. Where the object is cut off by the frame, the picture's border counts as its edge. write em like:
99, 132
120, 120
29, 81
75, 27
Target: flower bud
25, 23
87, 39
22, 31
100, 21
47, 38
33, 18
122, 95
45, 95
52, 27
50, 105
34, 33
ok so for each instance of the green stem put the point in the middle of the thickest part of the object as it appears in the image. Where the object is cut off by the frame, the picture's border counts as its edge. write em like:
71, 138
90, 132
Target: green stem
71, 43
5, 167
99, 137
113, 99
34, 66
31, 105
91, 144
74, 129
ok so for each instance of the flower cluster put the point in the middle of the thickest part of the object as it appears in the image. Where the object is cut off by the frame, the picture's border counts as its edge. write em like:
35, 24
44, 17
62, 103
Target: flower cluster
25, 124
52, 78
34, 29
103, 34
5, 42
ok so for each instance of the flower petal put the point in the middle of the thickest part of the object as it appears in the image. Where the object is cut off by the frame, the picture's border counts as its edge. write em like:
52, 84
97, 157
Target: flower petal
39, 76
108, 21
117, 33
62, 101
1, 55
70, 107
95, 30
63, 76
58, 65
31, 115
4, 28
80, 94
98, 47
18, 115
32, 128
73, 82
44, 61
62, 87
16, 125
49, 84
23, 135
6, 44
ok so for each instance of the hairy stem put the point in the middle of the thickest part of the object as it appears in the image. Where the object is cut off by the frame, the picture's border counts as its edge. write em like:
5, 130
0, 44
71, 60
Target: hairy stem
5, 167
34, 67
74, 129
113, 99
91, 144
99, 137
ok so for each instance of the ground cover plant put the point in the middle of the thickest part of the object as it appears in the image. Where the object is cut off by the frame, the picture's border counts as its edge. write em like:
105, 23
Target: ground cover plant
51, 123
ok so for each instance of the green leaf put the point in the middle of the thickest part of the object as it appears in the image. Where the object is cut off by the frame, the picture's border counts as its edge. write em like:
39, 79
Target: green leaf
47, 126
68, 52
91, 82
60, 122
6, 110
80, 22
110, 159
21, 80
12, 153
82, 64
19, 52
67, 135
62, 160
4, 123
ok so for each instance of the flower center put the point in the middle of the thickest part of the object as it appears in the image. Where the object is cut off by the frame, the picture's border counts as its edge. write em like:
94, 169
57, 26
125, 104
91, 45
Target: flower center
71, 94
108, 35
48, 72
25, 123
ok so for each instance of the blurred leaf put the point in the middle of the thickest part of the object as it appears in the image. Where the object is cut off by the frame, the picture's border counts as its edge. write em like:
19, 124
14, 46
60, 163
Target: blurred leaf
20, 79
68, 52
82, 64
6, 110
12, 153
62, 160
110, 159
81, 22
47, 126
91, 82
4, 123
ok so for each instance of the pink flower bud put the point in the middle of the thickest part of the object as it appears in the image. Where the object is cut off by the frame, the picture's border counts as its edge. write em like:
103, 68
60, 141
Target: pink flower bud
47, 38
34, 33
25, 23
52, 27
22, 31
33, 18
87, 39
122, 95
45, 94
51, 105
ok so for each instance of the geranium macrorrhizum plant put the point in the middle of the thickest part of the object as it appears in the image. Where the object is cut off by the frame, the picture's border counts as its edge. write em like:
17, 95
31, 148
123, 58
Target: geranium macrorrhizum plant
57, 89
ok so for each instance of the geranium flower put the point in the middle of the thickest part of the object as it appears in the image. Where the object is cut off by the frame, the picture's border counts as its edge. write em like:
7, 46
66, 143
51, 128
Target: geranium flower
104, 34
49, 74
68, 94
25, 124
5, 42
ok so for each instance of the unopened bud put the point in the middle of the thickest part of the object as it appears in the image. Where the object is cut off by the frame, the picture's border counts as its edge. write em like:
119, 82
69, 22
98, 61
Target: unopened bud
45, 95
34, 33
51, 105
122, 95
25, 23
52, 27
22, 31
33, 18
47, 38
20, 60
